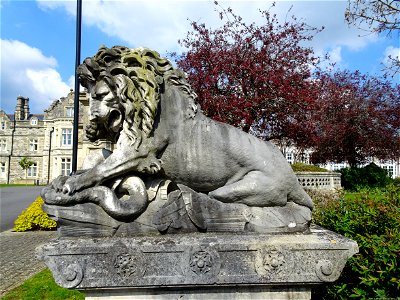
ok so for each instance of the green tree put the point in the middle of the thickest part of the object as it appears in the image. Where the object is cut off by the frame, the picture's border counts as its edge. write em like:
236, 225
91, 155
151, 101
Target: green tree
25, 164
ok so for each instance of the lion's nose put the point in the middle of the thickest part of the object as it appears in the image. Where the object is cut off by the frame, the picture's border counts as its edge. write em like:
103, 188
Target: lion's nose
94, 116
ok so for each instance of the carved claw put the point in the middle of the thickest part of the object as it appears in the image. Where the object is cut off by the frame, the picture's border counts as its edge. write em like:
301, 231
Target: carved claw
152, 167
58, 183
72, 185
67, 189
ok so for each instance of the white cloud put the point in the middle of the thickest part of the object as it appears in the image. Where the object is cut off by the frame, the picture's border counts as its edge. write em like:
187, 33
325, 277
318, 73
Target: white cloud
330, 14
335, 56
391, 51
159, 24
69, 5
26, 71
154, 24
71, 80
46, 81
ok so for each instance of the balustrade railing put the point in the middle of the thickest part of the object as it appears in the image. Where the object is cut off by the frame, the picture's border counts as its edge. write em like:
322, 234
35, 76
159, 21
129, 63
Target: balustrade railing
319, 180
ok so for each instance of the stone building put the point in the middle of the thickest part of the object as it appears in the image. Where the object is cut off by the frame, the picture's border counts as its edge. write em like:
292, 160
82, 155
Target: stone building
21, 135
45, 139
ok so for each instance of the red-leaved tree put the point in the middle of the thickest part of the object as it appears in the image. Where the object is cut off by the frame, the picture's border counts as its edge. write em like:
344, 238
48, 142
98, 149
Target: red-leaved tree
357, 117
256, 77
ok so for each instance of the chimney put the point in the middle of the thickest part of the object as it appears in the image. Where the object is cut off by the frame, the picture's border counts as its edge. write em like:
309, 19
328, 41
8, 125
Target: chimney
22, 108
26, 108
18, 108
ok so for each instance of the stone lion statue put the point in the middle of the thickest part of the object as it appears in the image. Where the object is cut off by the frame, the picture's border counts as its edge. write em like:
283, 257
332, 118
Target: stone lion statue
142, 103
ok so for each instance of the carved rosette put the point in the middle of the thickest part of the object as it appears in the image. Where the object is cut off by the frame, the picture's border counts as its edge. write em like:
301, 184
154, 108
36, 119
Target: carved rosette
203, 263
125, 264
124, 261
69, 275
273, 262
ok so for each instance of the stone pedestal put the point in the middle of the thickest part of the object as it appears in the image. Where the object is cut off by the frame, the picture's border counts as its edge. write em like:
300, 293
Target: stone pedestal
204, 293
199, 266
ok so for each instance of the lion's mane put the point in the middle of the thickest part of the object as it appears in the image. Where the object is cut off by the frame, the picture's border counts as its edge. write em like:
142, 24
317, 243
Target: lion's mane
137, 76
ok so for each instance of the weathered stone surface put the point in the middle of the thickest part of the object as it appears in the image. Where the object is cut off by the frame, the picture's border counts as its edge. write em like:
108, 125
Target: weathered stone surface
204, 293
181, 211
225, 179
198, 260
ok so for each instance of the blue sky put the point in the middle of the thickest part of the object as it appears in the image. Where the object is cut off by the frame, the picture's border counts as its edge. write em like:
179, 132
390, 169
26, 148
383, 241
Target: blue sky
38, 37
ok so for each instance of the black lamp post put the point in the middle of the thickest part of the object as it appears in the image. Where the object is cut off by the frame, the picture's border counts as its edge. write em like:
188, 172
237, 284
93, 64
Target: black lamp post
76, 95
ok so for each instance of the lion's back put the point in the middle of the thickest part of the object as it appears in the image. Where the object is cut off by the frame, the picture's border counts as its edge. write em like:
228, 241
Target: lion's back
206, 154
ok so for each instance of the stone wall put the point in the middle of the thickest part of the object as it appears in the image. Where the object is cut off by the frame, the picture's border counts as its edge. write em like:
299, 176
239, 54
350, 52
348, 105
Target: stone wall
319, 180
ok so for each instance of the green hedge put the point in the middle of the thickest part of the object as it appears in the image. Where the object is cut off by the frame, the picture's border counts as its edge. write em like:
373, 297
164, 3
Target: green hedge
34, 218
369, 176
371, 217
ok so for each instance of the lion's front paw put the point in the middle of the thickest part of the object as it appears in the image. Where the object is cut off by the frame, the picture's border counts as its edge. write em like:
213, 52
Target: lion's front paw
58, 183
73, 184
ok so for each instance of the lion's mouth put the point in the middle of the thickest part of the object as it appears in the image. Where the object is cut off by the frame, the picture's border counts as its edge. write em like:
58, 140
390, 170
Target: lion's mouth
114, 121
107, 128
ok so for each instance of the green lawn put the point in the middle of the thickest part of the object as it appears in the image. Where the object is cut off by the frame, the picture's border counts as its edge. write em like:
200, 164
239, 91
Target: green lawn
2, 185
365, 194
42, 286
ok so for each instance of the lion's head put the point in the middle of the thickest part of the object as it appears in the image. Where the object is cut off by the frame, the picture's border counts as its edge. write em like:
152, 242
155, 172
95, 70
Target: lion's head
125, 86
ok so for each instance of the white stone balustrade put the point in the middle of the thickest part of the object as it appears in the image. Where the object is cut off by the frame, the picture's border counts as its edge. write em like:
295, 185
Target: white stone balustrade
319, 180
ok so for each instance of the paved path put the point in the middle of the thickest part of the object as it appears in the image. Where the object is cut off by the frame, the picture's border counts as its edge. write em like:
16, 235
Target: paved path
17, 256
13, 200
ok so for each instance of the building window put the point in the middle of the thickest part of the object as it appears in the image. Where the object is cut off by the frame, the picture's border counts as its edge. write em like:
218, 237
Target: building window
66, 136
306, 158
2, 169
289, 157
389, 170
34, 122
69, 111
3, 145
33, 145
2, 125
65, 166
32, 171
338, 167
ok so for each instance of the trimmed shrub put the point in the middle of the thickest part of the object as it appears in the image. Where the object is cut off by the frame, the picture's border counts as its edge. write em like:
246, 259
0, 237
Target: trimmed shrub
369, 176
301, 167
371, 217
396, 182
34, 218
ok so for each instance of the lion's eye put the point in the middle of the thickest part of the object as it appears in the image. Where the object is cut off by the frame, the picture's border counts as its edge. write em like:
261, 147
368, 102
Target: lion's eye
107, 59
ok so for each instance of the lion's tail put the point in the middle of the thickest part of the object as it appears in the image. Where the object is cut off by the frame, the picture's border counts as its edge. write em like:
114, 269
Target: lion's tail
299, 196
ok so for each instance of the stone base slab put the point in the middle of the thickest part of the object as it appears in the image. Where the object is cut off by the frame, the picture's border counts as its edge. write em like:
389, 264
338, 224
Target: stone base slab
198, 260
203, 294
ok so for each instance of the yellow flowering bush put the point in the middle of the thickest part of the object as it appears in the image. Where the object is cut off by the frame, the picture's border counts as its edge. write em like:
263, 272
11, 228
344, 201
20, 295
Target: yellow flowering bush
34, 218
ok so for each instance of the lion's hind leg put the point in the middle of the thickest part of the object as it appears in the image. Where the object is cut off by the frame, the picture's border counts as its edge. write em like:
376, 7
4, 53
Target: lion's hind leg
254, 189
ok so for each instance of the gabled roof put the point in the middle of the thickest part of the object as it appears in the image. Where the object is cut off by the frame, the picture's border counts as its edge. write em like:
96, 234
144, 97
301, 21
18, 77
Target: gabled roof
40, 117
